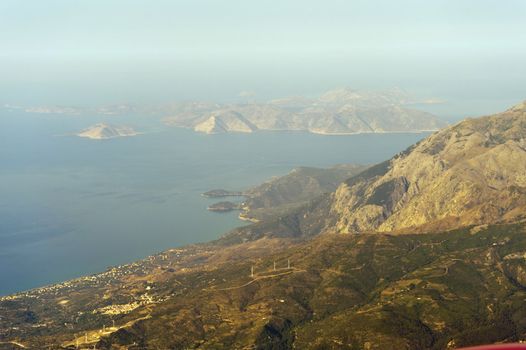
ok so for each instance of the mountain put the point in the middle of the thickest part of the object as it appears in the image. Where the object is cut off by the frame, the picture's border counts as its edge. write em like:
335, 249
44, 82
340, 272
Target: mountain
103, 131
227, 121
455, 277
470, 173
283, 194
341, 111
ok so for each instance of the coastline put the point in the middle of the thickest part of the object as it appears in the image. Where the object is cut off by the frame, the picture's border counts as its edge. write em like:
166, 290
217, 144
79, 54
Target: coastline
307, 131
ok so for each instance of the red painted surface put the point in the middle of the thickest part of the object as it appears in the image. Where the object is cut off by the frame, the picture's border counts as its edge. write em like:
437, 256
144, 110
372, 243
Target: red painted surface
498, 347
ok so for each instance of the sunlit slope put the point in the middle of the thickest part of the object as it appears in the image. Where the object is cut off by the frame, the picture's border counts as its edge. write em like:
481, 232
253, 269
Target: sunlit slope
471, 173
104, 131
339, 111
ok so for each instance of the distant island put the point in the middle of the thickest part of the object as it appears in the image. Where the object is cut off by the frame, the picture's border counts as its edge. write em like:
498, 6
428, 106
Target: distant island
343, 111
222, 193
224, 206
337, 112
103, 131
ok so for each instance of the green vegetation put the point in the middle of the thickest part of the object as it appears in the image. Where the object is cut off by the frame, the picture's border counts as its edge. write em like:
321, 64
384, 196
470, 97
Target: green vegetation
368, 291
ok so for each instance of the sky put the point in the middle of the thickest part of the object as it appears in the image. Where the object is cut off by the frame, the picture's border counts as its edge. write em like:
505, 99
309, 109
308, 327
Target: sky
152, 51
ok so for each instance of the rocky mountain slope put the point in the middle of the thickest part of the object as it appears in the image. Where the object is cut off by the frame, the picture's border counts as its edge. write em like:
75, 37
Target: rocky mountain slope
341, 111
473, 172
104, 131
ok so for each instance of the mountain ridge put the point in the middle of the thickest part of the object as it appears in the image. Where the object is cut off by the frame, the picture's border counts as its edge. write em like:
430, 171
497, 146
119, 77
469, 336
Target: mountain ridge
337, 112
444, 179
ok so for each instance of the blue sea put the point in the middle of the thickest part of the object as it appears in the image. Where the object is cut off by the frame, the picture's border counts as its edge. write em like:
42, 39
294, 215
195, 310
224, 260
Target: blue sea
71, 206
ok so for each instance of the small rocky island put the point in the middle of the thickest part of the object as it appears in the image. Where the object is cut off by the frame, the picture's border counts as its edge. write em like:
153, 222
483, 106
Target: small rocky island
222, 193
103, 131
224, 206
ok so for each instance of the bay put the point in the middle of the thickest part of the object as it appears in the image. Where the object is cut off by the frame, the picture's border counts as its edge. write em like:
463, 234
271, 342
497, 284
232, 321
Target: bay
71, 206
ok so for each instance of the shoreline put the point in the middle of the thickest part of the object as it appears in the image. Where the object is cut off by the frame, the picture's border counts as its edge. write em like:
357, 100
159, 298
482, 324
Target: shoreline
306, 131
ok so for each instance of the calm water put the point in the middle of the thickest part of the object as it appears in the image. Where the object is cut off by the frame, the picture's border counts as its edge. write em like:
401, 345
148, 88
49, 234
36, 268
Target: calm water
71, 206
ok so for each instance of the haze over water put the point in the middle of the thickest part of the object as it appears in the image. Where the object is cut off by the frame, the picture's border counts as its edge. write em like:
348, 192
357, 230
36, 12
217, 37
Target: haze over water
96, 52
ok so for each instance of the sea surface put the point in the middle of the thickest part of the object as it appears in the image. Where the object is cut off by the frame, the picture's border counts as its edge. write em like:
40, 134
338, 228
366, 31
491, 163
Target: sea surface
71, 206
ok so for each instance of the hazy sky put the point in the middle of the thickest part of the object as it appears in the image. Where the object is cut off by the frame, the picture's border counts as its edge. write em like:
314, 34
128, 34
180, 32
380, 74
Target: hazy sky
91, 51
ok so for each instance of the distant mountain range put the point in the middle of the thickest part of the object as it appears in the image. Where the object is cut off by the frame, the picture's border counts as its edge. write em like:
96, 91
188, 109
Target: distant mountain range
104, 131
337, 112
341, 111
426, 250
